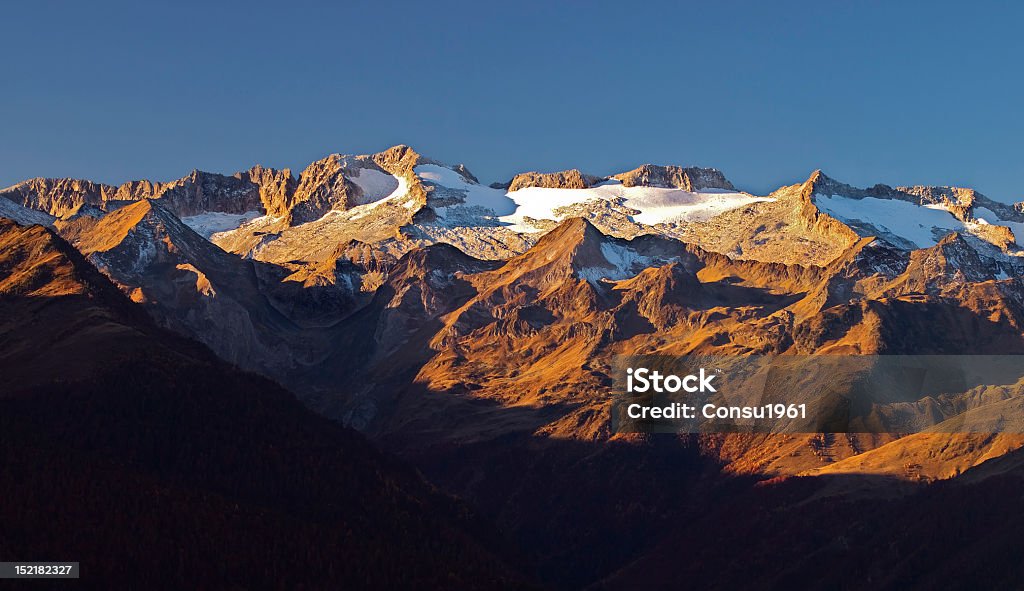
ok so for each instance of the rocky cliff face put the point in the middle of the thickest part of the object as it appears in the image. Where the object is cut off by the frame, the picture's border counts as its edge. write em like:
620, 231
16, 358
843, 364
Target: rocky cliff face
689, 179
275, 187
325, 186
198, 192
567, 179
57, 197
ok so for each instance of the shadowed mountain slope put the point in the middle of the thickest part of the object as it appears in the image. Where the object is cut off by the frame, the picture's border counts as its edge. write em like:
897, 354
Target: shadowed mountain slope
154, 464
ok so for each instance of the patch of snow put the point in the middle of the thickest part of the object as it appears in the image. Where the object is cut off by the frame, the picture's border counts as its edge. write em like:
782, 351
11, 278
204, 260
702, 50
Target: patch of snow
625, 259
399, 192
213, 222
657, 205
625, 263
921, 226
378, 186
440, 278
261, 222
495, 202
24, 215
986, 216
540, 204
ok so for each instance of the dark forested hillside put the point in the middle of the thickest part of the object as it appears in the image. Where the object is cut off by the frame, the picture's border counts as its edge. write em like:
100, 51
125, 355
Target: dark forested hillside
153, 464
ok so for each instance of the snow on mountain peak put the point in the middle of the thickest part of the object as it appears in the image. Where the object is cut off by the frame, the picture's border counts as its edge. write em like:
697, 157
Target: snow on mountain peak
622, 261
377, 185
460, 203
642, 204
900, 222
456, 197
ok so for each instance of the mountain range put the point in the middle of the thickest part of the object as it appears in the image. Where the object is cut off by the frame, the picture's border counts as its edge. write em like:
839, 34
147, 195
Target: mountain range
470, 332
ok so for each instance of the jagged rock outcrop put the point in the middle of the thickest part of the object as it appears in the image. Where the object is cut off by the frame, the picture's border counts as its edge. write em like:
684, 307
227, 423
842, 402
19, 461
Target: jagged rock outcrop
57, 197
198, 192
687, 179
324, 186
566, 179
275, 187
202, 192
334, 182
817, 221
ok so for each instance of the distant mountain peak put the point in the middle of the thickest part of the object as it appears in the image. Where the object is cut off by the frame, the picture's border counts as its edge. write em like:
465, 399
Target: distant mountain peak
688, 179
565, 179
576, 247
572, 232
822, 184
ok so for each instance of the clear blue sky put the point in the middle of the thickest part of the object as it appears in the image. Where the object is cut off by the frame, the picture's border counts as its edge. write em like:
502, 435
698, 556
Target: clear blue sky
929, 92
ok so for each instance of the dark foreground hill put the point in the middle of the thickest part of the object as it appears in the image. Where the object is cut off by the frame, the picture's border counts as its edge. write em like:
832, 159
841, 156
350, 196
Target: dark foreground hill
155, 465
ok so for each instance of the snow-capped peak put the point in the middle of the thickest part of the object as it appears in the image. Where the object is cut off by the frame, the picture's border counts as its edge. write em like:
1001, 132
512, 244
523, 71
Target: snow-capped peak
522, 209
